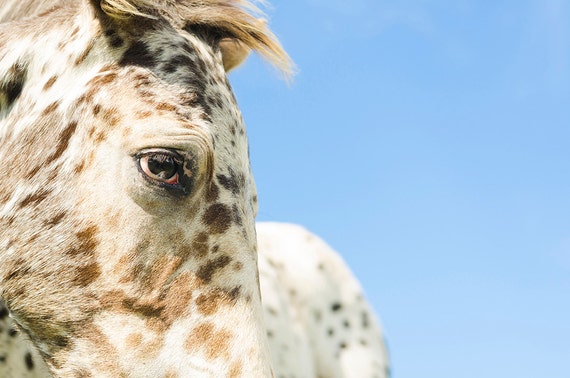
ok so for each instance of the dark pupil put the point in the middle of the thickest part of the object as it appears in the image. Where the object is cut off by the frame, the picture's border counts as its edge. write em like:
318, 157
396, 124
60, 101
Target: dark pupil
163, 166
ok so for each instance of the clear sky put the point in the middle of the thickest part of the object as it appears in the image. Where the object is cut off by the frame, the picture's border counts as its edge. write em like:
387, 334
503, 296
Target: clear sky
429, 143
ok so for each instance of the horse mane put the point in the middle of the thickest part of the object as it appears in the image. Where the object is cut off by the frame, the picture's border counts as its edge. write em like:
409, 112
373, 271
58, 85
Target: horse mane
237, 19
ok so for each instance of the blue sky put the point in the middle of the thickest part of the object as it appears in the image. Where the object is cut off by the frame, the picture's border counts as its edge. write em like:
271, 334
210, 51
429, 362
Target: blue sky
428, 142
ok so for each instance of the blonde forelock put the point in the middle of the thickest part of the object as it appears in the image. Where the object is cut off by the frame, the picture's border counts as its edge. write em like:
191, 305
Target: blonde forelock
239, 19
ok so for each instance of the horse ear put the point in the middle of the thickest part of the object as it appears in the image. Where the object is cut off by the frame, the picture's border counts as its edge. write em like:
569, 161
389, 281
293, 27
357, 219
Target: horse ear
234, 53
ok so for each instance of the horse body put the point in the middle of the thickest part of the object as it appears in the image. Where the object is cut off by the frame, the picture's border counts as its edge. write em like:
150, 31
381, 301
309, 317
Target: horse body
127, 206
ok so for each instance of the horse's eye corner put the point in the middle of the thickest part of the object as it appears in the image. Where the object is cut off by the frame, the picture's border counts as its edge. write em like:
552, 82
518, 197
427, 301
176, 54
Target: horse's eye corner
161, 166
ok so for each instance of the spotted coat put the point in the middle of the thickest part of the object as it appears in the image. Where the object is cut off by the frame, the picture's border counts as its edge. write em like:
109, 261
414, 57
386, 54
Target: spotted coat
127, 205
317, 319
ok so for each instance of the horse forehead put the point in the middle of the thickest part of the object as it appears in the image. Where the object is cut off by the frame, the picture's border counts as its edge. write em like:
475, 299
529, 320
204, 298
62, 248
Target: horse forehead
179, 60
177, 57
158, 72
187, 63
171, 54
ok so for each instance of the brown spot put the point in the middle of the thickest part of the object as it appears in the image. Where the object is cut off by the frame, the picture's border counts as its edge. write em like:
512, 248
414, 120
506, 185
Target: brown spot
104, 79
112, 301
235, 370
52, 174
90, 159
83, 99
143, 114
4, 197
238, 266
87, 236
141, 80
50, 82
178, 297
199, 336
218, 217
210, 302
212, 193
90, 94
20, 269
35, 198
124, 262
126, 131
157, 325
155, 275
233, 182
165, 106
151, 349
96, 109
81, 58
47, 12
207, 270
134, 340
79, 167
91, 132
86, 242
33, 237
202, 237
219, 344
50, 108
234, 293
8, 220
214, 343
200, 245
146, 307
111, 116
184, 251
63, 141
171, 374
237, 216
99, 137
87, 274
147, 96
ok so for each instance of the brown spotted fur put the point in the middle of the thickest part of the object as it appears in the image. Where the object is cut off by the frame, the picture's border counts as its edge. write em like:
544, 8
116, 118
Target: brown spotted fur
107, 272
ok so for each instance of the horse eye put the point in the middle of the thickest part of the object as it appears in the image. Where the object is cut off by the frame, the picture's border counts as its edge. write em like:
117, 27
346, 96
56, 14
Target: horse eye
163, 167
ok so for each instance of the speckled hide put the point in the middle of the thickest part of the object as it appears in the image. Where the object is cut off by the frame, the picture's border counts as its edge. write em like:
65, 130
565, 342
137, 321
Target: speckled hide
128, 246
